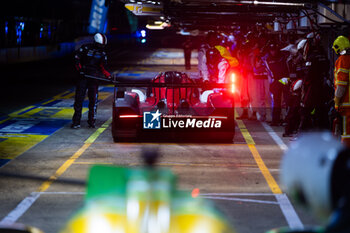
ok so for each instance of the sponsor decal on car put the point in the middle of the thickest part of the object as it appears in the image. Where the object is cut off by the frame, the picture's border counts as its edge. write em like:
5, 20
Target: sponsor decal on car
155, 120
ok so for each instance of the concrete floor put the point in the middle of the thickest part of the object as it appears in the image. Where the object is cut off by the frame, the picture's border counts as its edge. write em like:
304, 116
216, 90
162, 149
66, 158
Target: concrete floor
232, 175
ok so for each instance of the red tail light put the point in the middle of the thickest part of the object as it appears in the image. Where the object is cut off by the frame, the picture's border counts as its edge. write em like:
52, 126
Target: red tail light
129, 116
233, 81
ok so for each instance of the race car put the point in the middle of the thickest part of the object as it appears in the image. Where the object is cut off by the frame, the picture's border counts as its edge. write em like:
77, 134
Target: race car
173, 106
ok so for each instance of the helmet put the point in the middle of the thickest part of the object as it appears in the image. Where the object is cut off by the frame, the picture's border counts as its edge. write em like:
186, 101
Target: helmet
100, 38
296, 85
301, 44
312, 171
291, 48
340, 44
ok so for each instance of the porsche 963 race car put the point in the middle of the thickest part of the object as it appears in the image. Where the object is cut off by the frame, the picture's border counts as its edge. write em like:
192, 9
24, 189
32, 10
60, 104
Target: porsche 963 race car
173, 105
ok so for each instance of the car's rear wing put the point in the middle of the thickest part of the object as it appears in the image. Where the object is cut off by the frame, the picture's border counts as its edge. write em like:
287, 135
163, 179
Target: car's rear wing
124, 82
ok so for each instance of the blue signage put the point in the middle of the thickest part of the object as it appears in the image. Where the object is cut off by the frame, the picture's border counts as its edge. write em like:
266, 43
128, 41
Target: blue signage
98, 17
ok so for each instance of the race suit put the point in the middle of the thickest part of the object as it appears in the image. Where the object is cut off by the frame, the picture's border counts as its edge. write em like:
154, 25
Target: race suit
202, 62
277, 68
259, 85
341, 78
89, 60
219, 61
315, 94
227, 61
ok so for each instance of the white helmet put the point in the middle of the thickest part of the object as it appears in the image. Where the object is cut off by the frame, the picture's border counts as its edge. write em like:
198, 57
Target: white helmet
297, 84
100, 38
301, 44
314, 172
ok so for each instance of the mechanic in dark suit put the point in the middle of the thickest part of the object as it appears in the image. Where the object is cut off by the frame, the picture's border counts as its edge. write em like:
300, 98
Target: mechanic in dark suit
90, 59
187, 46
276, 64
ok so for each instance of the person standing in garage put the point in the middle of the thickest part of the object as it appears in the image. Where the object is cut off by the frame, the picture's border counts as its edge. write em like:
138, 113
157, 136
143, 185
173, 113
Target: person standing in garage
276, 64
341, 47
90, 59
187, 46
202, 58
315, 91
261, 93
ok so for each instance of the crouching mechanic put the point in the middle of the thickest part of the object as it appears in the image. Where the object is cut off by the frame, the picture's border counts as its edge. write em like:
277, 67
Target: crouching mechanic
90, 59
341, 47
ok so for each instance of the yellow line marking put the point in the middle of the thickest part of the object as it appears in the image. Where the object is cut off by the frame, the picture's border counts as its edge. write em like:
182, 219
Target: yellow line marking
97, 133
246, 135
56, 97
5, 120
17, 144
72, 159
63, 168
49, 101
22, 110
264, 170
69, 96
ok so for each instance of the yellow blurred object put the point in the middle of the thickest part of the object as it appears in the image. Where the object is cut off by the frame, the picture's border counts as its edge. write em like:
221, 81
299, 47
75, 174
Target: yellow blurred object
142, 201
227, 55
108, 222
269, 26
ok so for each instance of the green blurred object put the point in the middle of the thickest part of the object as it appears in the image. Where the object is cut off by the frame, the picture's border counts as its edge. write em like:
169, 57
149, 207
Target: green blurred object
143, 199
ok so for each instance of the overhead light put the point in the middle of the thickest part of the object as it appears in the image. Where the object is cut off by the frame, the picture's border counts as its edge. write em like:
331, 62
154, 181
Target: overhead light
158, 25
273, 3
154, 27
184, 33
143, 33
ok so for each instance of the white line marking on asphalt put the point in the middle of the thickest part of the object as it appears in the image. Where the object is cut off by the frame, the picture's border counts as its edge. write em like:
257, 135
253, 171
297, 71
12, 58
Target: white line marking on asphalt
241, 200
63, 193
20, 209
288, 211
237, 194
275, 137
287, 208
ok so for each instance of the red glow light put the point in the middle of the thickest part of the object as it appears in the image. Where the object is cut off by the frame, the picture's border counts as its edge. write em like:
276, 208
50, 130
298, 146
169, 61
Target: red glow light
195, 192
233, 88
233, 77
129, 116
233, 80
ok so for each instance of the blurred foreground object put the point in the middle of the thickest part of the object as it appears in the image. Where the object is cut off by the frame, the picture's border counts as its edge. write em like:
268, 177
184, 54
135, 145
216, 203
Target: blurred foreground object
144, 200
315, 171
18, 228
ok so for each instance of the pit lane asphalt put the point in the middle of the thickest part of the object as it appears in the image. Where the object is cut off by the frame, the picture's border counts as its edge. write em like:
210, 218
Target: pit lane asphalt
227, 173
